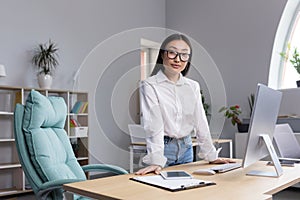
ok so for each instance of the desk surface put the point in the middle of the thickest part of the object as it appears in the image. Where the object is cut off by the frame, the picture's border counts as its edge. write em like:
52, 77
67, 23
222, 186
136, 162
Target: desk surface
194, 142
230, 185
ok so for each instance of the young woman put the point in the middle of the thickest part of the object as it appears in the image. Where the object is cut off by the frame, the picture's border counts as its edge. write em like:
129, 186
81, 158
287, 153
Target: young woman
172, 109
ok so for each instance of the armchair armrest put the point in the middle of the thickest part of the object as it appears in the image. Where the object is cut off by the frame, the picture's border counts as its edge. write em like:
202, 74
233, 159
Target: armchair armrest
104, 168
58, 183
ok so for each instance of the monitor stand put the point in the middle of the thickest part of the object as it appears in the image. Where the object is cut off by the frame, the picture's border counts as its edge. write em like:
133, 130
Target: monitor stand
266, 139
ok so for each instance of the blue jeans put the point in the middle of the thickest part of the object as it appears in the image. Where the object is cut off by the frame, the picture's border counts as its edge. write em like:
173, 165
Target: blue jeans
178, 151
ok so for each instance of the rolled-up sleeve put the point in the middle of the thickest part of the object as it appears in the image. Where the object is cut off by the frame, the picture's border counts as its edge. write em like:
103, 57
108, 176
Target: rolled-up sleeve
207, 149
153, 125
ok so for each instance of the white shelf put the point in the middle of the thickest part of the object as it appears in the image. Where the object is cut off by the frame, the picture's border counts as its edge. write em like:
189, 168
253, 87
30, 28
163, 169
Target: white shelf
7, 140
82, 158
10, 166
78, 114
9, 192
75, 137
12, 191
6, 113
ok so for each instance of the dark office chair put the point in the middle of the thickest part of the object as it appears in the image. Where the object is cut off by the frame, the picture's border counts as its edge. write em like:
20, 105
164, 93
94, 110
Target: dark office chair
44, 149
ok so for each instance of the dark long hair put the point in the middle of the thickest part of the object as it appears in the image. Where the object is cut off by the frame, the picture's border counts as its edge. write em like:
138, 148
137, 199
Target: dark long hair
159, 62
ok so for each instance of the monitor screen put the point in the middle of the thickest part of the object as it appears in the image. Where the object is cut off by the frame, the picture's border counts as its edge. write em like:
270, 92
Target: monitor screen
262, 124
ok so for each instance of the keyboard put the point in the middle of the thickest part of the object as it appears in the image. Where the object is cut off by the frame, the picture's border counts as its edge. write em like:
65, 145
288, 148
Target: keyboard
296, 160
226, 167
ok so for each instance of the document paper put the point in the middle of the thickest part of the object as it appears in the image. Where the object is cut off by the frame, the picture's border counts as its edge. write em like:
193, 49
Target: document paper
172, 185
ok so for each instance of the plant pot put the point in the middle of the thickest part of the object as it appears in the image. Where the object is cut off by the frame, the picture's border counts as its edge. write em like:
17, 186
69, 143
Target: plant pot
45, 81
243, 128
298, 83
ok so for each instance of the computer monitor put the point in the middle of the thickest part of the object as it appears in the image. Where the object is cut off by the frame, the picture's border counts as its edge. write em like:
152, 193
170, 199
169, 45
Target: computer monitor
261, 130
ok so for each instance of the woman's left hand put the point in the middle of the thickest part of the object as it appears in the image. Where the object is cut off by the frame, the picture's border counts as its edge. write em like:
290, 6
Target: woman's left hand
152, 168
222, 161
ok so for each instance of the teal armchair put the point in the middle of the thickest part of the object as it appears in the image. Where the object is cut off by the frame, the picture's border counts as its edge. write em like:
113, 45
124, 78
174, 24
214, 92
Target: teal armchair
44, 149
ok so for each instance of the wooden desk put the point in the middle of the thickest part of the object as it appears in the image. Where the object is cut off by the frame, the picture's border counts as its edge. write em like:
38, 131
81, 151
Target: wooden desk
230, 185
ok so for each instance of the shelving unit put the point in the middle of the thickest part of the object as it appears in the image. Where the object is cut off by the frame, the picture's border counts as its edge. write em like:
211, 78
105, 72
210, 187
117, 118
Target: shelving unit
12, 178
82, 117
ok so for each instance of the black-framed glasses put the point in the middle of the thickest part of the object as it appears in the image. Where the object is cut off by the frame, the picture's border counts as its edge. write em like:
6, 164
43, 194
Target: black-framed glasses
184, 57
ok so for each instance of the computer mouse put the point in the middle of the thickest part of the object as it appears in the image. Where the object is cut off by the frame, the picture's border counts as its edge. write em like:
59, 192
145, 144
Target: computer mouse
204, 172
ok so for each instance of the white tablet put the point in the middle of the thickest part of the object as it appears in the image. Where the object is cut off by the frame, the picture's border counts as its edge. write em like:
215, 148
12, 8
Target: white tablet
175, 174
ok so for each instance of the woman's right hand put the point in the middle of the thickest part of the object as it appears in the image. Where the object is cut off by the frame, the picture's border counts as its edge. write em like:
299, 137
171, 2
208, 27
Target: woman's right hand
152, 168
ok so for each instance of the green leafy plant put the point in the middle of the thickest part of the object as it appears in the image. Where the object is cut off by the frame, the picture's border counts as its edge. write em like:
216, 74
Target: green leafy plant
295, 60
232, 112
45, 58
205, 105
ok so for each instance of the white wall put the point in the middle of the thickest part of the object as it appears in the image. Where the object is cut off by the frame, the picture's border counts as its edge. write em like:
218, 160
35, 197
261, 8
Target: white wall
290, 97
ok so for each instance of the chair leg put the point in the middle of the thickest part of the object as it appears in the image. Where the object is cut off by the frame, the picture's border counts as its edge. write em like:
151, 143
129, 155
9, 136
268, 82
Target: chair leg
44, 195
131, 159
141, 159
68, 196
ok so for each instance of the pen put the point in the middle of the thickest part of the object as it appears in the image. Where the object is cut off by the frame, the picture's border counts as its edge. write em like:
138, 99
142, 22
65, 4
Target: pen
202, 183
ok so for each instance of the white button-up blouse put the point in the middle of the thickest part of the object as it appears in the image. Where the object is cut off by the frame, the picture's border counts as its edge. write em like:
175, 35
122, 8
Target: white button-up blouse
174, 110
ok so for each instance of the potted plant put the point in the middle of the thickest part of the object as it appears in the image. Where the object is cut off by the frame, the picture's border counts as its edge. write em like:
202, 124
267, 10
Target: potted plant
45, 58
295, 60
232, 113
251, 100
205, 105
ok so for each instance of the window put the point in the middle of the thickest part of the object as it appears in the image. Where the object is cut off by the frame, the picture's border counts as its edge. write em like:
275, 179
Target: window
282, 74
289, 73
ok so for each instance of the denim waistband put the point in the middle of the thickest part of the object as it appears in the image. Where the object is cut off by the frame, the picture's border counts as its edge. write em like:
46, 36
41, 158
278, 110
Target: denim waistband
171, 138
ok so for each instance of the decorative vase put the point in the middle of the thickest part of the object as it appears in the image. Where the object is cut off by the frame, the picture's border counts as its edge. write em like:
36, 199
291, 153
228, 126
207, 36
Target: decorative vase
243, 128
45, 81
298, 83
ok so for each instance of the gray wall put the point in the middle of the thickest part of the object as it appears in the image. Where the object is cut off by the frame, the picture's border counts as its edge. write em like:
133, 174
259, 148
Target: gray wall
238, 35
78, 27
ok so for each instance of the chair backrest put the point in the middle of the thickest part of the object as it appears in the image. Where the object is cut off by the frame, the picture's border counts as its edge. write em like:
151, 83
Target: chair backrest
30, 172
286, 142
42, 143
137, 133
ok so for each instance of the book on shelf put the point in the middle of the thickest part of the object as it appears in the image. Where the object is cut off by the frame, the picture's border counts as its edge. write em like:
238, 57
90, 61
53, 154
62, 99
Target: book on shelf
77, 130
74, 123
18, 98
79, 107
83, 107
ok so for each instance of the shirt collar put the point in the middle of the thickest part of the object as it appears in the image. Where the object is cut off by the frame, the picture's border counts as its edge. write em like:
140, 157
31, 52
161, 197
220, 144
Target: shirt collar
161, 77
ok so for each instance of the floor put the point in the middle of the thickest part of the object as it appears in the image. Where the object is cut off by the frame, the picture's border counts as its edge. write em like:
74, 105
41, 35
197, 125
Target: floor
288, 194
20, 197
